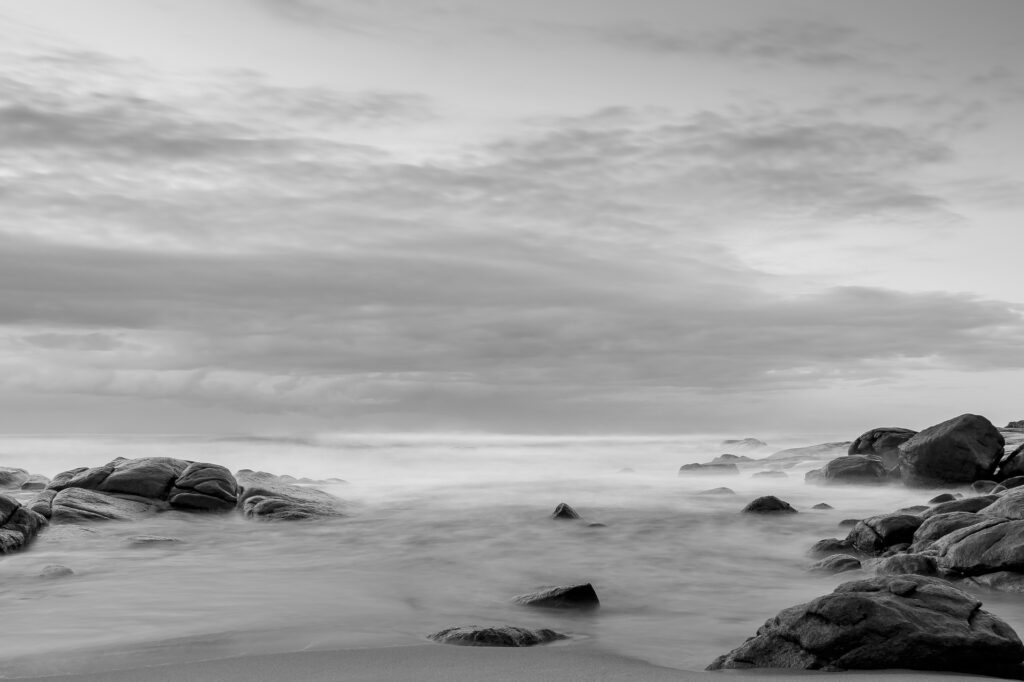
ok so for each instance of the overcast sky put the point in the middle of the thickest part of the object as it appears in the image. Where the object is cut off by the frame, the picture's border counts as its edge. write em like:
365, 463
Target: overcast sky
744, 216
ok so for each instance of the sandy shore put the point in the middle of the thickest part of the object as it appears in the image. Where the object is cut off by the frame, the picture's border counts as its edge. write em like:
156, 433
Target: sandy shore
438, 663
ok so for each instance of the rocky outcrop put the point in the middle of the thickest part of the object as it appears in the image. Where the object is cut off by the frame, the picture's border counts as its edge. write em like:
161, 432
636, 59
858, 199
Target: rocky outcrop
506, 635
564, 512
265, 497
904, 621
876, 534
18, 525
883, 443
204, 487
721, 469
1019, 424
565, 597
961, 450
77, 505
769, 504
854, 469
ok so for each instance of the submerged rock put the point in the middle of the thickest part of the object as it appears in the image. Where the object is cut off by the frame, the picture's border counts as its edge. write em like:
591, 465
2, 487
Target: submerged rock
746, 443
829, 546
768, 504
823, 505
943, 497
855, 469
877, 533
882, 443
565, 597
564, 512
961, 450
264, 496
151, 540
506, 635
731, 459
717, 491
905, 621
18, 525
722, 469
836, 563
771, 473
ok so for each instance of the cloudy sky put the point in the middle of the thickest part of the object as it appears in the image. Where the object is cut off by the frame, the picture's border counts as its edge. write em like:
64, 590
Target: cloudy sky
744, 216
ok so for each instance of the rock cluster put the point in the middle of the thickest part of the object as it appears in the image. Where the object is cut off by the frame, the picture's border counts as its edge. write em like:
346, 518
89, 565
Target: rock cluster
18, 525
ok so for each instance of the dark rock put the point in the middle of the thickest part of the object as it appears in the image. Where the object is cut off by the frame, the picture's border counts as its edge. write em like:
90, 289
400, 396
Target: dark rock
564, 511
915, 509
986, 547
823, 505
905, 621
1019, 424
883, 443
818, 452
983, 487
768, 504
12, 478
917, 564
961, 450
204, 487
829, 546
969, 504
939, 526
848, 522
770, 474
731, 459
54, 571
150, 540
506, 635
567, 597
709, 469
836, 563
1013, 482
898, 548
266, 497
74, 505
41, 503
873, 535
1013, 465
19, 525
944, 497
717, 491
1009, 505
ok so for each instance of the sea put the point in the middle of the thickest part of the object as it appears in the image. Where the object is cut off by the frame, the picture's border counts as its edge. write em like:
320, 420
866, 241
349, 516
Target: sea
440, 530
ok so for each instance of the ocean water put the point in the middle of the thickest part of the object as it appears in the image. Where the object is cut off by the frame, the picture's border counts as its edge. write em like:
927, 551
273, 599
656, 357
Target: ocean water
440, 531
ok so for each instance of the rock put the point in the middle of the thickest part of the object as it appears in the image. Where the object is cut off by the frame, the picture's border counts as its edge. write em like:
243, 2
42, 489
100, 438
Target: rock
983, 487
848, 522
731, 459
882, 443
1013, 464
506, 635
724, 469
873, 535
961, 450
150, 540
74, 505
1003, 581
204, 487
836, 563
917, 564
823, 505
35, 482
812, 452
905, 621
265, 497
564, 511
19, 525
770, 474
54, 571
597, 525
986, 547
815, 476
1019, 424
568, 597
717, 491
898, 548
768, 504
1009, 505
970, 504
12, 478
745, 443
941, 525
915, 509
41, 503
944, 497
829, 546
1013, 482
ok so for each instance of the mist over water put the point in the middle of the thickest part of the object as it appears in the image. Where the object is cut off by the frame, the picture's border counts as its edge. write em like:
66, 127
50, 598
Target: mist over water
441, 531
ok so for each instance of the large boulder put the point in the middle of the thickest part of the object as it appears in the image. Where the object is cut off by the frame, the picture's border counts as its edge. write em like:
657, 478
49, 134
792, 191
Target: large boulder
883, 443
18, 525
903, 621
985, 547
859, 469
206, 487
563, 597
961, 450
506, 635
75, 505
12, 478
876, 534
266, 497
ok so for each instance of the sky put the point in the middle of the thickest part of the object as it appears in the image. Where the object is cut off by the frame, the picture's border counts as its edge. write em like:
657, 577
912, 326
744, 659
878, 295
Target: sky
548, 216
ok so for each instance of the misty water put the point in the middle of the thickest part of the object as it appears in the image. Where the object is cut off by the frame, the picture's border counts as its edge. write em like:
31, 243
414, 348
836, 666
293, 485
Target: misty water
440, 531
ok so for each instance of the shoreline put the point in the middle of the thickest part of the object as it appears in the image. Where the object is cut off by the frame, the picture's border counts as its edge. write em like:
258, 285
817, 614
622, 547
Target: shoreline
445, 663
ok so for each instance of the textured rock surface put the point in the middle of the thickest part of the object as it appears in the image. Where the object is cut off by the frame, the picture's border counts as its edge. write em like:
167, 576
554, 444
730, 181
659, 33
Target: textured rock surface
836, 563
12, 478
1009, 505
720, 469
506, 635
968, 504
941, 525
873, 535
769, 504
206, 487
74, 505
859, 469
264, 496
918, 564
1013, 465
564, 512
883, 443
961, 450
18, 525
903, 621
566, 597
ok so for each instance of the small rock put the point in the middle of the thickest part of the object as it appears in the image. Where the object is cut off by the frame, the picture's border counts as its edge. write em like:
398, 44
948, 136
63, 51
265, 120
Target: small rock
149, 540
828, 547
506, 636
717, 491
944, 497
768, 504
54, 571
848, 522
564, 512
771, 474
566, 597
709, 469
917, 564
823, 505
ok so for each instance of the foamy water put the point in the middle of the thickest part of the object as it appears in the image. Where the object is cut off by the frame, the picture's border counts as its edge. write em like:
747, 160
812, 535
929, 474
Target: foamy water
441, 531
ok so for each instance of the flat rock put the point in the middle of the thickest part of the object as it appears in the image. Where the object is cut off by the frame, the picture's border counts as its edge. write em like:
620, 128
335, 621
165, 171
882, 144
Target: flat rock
960, 450
905, 621
506, 635
565, 597
75, 505
265, 497
204, 487
769, 504
984, 548
150, 540
882, 443
771, 473
717, 491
